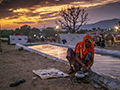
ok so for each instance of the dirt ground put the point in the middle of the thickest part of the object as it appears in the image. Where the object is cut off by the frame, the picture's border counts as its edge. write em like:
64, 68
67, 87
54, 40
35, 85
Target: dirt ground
17, 65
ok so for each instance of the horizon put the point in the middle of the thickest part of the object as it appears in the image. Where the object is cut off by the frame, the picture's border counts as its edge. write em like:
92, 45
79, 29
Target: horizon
54, 26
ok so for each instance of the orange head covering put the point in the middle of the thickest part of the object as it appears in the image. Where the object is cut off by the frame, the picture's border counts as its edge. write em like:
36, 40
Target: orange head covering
87, 36
82, 49
91, 47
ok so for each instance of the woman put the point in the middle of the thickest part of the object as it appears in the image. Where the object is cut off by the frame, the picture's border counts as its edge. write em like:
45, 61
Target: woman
82, 56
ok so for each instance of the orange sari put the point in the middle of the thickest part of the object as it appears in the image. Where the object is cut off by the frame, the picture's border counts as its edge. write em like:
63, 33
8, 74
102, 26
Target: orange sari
80, 47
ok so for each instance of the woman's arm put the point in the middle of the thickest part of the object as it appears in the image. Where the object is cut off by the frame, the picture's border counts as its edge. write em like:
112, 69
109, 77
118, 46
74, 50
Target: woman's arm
78, 59
91, 63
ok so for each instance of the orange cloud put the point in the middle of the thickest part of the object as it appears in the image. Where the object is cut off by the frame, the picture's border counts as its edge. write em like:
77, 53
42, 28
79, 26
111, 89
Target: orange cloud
36, 13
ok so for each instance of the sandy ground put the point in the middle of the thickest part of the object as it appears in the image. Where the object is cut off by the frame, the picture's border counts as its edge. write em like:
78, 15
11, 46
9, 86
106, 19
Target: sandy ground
16, 65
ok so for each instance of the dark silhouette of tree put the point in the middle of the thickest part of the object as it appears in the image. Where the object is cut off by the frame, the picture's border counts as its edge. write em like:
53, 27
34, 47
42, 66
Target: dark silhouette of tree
5, 33
48, 32
81, 31
18, 31
94, 29
73, 18
25, 29
36, 31
119, 23
31, 34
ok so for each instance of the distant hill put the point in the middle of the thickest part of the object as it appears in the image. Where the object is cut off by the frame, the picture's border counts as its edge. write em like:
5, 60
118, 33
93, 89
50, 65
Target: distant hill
105, 24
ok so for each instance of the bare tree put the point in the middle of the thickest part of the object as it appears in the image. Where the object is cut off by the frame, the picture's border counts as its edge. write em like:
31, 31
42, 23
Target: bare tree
73, 18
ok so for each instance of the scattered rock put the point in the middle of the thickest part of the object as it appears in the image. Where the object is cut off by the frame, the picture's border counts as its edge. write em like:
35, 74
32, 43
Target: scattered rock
20, 49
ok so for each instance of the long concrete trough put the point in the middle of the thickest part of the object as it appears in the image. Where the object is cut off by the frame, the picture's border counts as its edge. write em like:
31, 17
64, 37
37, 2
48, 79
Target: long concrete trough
105, 79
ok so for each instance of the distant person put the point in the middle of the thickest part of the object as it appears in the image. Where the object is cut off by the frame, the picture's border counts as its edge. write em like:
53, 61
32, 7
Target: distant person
112, 41
103, 43
82, 56
99, 41
96, 41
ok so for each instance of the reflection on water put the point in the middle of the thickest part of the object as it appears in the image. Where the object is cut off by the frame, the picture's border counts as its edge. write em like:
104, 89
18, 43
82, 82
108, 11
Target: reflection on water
55, 51
102, 64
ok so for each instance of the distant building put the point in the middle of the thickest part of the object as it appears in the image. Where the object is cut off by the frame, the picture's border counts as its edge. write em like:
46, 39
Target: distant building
17, 39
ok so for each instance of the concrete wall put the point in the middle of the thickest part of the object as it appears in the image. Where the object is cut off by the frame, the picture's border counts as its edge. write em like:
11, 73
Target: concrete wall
71, 39
18, 39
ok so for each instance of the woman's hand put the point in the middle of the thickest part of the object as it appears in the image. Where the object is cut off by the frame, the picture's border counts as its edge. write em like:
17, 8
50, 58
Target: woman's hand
84, 67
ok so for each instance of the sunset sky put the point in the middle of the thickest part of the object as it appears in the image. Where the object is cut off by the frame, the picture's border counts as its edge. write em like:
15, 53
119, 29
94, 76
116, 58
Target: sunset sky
43, 13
